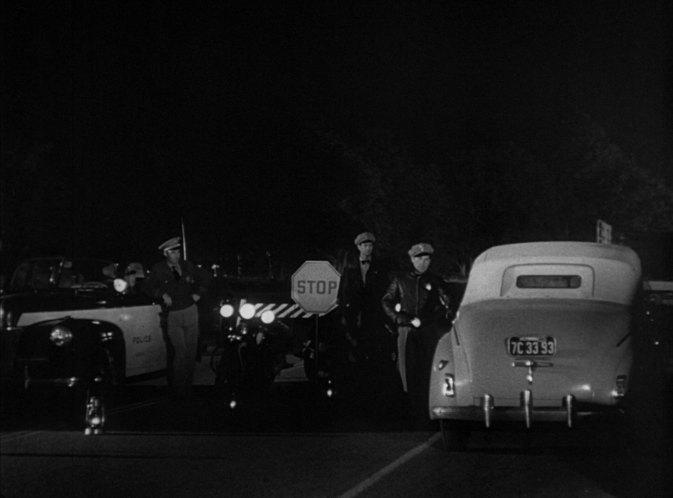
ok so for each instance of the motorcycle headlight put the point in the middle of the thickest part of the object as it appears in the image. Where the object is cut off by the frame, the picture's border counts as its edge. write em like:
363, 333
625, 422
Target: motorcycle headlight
247, 311
268, 317
60, 336
226, 310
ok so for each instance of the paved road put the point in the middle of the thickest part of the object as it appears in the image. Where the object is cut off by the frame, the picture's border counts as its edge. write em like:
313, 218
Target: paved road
295, 444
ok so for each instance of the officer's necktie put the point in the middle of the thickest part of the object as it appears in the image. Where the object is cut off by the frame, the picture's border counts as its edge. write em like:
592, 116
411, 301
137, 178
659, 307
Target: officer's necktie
364, 268
176, 273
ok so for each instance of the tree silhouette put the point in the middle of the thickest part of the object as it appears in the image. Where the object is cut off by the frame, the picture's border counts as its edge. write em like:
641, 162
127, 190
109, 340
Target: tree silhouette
496, 194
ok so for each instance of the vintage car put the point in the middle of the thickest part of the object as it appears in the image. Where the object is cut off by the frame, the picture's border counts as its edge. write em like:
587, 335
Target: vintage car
657, 317
544, 332
76, 323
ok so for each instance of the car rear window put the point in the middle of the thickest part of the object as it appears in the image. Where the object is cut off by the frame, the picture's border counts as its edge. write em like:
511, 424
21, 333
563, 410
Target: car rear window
548, 281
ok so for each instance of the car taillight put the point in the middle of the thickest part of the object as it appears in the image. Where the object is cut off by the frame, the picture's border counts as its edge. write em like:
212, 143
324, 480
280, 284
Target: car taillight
620, 387
449, 387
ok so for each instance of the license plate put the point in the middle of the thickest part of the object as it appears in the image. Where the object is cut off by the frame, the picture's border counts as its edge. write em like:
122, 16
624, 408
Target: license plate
531, 346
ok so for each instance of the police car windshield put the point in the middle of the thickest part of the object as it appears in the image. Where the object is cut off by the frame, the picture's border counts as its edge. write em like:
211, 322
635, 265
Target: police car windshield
58, 273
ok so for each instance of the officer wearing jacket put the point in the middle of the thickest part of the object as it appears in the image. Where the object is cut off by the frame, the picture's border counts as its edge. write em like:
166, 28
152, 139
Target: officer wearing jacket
416, 303
178, 285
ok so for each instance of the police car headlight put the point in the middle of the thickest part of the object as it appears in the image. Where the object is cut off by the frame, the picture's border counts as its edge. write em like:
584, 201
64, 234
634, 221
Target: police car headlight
120, 284
247, 311
226, 310
60, 336
268, 317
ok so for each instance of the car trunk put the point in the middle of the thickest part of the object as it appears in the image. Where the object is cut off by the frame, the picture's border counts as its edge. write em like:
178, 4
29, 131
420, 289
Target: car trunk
589, 337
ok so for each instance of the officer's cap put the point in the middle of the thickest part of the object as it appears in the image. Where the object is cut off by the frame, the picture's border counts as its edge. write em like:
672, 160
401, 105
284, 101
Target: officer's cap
173, 243
364, 237
420, 249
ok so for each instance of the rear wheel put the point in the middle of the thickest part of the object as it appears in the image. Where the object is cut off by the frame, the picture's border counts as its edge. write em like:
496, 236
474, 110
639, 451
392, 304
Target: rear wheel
455, 434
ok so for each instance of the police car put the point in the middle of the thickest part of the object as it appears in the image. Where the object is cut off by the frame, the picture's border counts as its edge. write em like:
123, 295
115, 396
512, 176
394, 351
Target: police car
78, 323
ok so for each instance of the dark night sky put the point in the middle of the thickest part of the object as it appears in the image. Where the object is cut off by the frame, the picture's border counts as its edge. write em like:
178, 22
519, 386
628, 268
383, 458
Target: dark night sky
184, 110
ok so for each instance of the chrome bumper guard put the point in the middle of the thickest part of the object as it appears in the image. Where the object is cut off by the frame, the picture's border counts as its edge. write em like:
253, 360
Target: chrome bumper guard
59, 382
488, 411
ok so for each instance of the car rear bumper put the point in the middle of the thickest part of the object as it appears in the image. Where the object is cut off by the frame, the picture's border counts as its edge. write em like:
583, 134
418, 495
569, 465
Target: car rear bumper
567, 411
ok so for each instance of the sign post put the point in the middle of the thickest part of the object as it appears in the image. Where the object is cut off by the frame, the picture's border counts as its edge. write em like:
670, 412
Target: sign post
603, 232
315, 287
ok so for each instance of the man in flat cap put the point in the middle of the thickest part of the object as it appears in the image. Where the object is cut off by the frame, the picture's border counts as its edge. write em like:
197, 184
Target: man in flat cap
416, 302
178, 285
362, 285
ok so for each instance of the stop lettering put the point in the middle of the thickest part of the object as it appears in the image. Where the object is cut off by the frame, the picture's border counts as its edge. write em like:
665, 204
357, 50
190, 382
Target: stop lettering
316, 286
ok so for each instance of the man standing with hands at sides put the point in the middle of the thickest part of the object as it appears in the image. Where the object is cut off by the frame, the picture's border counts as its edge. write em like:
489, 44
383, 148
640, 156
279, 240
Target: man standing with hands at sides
416, 303
362, 286
178, 285
365, 344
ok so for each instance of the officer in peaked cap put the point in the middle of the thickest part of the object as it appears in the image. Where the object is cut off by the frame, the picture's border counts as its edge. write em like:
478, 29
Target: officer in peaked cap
421, 249
362, 284
178, 285
170, 244
364, 237
417, 303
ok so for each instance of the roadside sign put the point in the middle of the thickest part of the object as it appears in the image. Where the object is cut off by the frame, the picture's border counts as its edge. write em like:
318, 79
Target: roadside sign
315, 286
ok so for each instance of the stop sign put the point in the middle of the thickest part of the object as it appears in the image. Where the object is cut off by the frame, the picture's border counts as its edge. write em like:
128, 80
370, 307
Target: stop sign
315, 286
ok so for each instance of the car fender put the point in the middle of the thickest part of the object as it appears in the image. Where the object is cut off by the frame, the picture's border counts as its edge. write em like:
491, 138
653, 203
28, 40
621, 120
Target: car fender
449, 359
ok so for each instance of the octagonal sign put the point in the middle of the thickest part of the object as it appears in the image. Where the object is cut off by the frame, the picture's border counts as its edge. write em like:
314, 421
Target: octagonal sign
315, 286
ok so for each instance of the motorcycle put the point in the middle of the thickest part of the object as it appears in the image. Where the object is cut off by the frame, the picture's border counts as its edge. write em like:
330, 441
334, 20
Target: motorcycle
250, 352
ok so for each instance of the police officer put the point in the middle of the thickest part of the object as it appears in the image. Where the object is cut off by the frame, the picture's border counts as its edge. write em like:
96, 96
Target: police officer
416, 302
178, 285
364, 346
